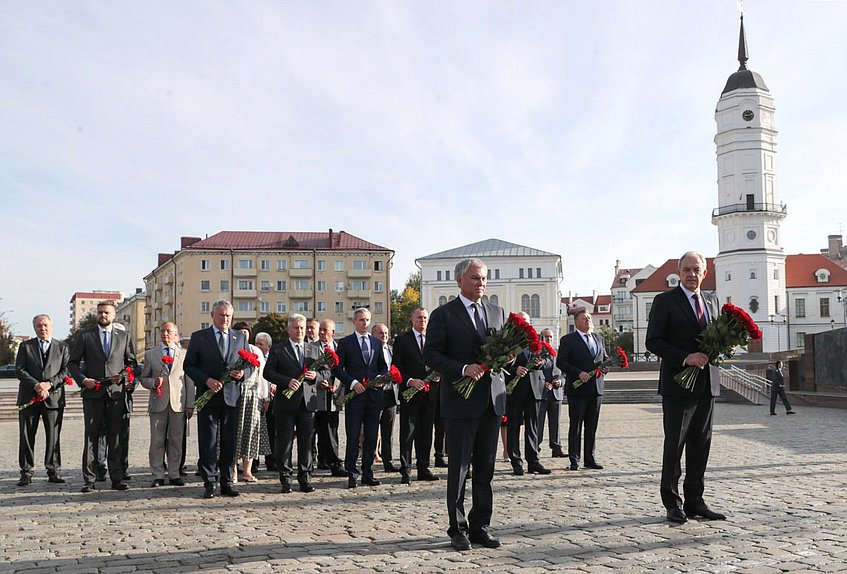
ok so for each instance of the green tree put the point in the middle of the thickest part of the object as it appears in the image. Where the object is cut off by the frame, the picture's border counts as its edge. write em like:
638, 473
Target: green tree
403, 303
88, 321
610, 338
274, 324
7, 342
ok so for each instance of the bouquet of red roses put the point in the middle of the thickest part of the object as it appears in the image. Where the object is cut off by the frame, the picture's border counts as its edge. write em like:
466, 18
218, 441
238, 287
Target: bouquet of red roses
512, 338
619, 360
412, 391
37, 398
167, 361
245, 359
328, 358
733, 328
537, 350
392, 376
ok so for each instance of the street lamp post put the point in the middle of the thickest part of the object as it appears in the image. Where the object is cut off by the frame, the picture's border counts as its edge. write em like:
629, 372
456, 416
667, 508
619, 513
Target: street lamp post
841, 299
777, 324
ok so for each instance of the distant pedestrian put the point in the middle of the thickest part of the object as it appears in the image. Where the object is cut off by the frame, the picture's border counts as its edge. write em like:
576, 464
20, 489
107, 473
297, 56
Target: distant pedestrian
778, 389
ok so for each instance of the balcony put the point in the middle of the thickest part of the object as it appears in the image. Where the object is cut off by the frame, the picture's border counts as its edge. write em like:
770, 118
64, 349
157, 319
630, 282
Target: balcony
168, 279
351, 294
237, 272
300, 294
244, 294
766, 208
237, 314
294, 272
358, 273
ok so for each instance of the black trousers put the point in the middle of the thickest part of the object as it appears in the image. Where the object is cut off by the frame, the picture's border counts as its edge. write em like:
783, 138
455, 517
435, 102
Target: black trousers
361, 411
688, 427
416, 424
28, 420
326, 427
777, 391
286, 421
270, 424
583, 411
104, 414
216, 436
471, 441
522, 409
386, 427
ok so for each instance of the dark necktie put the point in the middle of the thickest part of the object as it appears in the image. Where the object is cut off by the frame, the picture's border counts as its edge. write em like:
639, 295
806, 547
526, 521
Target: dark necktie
106, 345
366, 355
222, 344
701, 316
590, 344
421, 337
480, 324
299, 355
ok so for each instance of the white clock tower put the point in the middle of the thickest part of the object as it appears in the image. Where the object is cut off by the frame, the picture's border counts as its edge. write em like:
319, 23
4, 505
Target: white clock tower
750, 265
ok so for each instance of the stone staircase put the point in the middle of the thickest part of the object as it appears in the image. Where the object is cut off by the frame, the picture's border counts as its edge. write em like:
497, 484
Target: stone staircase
73, 405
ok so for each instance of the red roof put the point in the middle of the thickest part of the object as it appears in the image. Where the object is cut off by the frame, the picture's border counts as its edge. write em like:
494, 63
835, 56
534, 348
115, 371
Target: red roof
286, 240
658, 280
616, 283
102, 295
800, 271
601, 299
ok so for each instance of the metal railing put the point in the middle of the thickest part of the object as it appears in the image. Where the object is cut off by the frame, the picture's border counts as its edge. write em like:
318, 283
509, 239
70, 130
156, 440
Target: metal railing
748, 207
752, 387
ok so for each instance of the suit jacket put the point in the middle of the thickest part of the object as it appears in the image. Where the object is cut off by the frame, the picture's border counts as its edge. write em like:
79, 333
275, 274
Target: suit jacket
392, 391
88, 360
532, 382
351, 365
204, 361
175, 391
326, 397
31, 369
283, 367
410, 362
574, 357
551, 373
452, 342
672, 333
777, 379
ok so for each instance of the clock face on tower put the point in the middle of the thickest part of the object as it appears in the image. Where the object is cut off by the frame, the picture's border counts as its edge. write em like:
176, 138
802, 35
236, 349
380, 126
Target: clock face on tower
751, 235
747, 115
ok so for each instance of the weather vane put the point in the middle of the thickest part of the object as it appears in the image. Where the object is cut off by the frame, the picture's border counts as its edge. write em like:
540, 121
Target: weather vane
740, 4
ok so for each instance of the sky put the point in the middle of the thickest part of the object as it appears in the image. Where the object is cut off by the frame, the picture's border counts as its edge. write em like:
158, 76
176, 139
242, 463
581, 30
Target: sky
581, 128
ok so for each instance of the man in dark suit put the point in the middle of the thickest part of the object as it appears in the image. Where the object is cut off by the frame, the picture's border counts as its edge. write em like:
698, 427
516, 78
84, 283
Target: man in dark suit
286, 362
676, 320
416, 415
360, 358
97, 361
41, 366
326, 417
551, 402
390, 400
455, 335
579, 353
778, 389
212, 353
522, 407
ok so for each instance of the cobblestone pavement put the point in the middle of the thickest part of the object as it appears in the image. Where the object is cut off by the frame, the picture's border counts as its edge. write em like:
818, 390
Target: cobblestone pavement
782, 481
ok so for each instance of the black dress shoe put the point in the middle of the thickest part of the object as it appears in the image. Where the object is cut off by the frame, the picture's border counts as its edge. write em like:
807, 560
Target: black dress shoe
25, 479
593, 466
306, 487
351, 483
158, 482
538, 469
773, 414
209, 491
88, 488
391, 468
101, 478
517, 470
323, 466
183, 471
229, 491
370, 481
426, 474
176, 482
559, 454
338, 471
790, 413
440, 463
484, 538
120, 486
404, 479
56, 479
573, 466
702, 511
286, 488
677, 515
460, 542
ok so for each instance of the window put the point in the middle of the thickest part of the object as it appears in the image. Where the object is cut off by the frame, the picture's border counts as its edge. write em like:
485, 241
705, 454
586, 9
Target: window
776, 273
438, 275
321, 286
379, 286
497, 274
280, 285
245, 305
339, 286
520, 273
752, 274
800, 307
301, 285
824, 302
339, 329
801, 340
538, 272
265, 285
447, 275
728, 276
442, 300
647, 307
224, 285
224, 264
339, 266
205, 265
360, 264
204, 325
301, 264
281, 264
378, 307
265, 306
321, 307
529, 272
822, 275
359, 285
205, 307
245, 284
205, 286
301, 306
265, 265
321, 264
776, 302
280, 307
378, 266
531, 305
339, 306
488, 274
494, 300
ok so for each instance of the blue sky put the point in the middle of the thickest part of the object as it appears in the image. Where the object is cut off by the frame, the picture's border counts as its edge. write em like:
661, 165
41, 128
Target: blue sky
581, 128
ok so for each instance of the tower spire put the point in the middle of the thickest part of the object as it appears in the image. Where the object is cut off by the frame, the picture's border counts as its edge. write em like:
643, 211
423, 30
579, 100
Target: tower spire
742, 47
